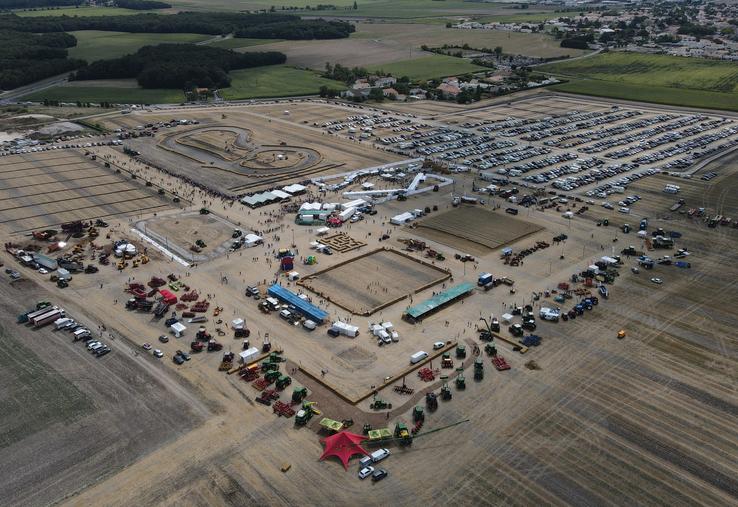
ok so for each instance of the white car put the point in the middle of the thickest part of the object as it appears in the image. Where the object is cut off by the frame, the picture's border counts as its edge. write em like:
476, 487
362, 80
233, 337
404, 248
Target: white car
624, 210
158, 353
366, 472
657, 281
438, 345
43, 271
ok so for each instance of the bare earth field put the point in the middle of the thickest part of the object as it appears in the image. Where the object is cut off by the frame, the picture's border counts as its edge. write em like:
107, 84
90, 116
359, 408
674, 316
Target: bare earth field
379, 43
583, 419
467, 224
363, 284
63, 404
45, 189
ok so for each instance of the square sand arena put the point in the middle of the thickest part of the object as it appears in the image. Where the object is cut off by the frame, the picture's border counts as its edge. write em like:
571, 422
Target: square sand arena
177, 233
474, 229
373, 281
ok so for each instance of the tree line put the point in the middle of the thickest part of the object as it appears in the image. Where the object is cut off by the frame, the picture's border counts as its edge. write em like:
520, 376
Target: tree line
142, 5
211, 23
32, 4
30, 57
298, 30
182, 66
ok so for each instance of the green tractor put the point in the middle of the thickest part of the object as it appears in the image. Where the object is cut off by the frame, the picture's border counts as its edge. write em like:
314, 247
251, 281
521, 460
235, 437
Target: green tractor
272, 376
269, 366
379, 404
418, 414
460, 352
478, 369
490, 349
445, 390
431, 401
460, 380
366, 429
403, 434
303, 416
299, 394
283, 381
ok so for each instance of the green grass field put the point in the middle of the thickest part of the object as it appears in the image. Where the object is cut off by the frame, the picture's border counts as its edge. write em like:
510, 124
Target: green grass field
652, 70
526, 17
428, 67
108, 94
81, 11
652, 78
275, 81
234, 43
655, 94
97, 45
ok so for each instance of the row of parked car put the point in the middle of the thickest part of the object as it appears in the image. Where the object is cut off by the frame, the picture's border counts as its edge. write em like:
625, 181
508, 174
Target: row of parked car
36, 149
81, 333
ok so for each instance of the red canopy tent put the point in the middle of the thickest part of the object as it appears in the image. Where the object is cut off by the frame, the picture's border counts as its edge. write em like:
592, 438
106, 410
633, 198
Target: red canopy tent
343, 444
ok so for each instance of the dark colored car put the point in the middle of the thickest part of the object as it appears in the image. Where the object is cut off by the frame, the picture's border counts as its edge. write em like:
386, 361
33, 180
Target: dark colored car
378, 475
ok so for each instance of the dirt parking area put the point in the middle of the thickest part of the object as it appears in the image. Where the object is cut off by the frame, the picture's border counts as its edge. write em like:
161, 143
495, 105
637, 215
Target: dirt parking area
474, 228
365, 284
45, 189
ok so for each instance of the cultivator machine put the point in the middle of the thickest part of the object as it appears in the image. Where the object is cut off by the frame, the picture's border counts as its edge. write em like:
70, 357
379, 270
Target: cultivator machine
267, 396
249, 374
403, 389
227, 362
282, 409
427, 375
190, 296
500, 364
260, 384
156, 282
200, 307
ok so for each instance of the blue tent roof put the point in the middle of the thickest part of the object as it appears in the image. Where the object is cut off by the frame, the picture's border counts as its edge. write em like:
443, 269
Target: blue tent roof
439, 299
308, 309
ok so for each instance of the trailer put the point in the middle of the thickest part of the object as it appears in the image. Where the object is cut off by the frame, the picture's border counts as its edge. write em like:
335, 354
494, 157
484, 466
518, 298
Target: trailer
47, 317
484, 279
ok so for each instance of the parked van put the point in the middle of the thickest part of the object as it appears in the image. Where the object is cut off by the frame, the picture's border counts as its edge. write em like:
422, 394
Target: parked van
379, 455
418, 356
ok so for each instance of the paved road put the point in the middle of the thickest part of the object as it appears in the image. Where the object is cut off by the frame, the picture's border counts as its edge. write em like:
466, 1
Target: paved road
13, 95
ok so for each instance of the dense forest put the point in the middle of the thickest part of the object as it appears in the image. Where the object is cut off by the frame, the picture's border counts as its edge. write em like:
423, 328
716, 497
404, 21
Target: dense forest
304, 30
141, 5
169, 66
28, 57
212, 23
177, 66
32, 4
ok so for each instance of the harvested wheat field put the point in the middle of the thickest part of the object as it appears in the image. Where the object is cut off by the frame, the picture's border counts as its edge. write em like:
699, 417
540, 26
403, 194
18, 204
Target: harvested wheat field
474, 229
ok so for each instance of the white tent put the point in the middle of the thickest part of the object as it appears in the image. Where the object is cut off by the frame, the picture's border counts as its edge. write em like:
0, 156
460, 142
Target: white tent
247, 356
402, 218
178, 329
237, 323
323, 230
252, 240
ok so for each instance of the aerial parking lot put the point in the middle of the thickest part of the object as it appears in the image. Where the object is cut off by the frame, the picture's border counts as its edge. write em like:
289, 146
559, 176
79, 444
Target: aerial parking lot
575, 297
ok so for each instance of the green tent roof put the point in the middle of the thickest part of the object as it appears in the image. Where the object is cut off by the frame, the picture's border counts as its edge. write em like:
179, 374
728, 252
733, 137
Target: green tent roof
439, 299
